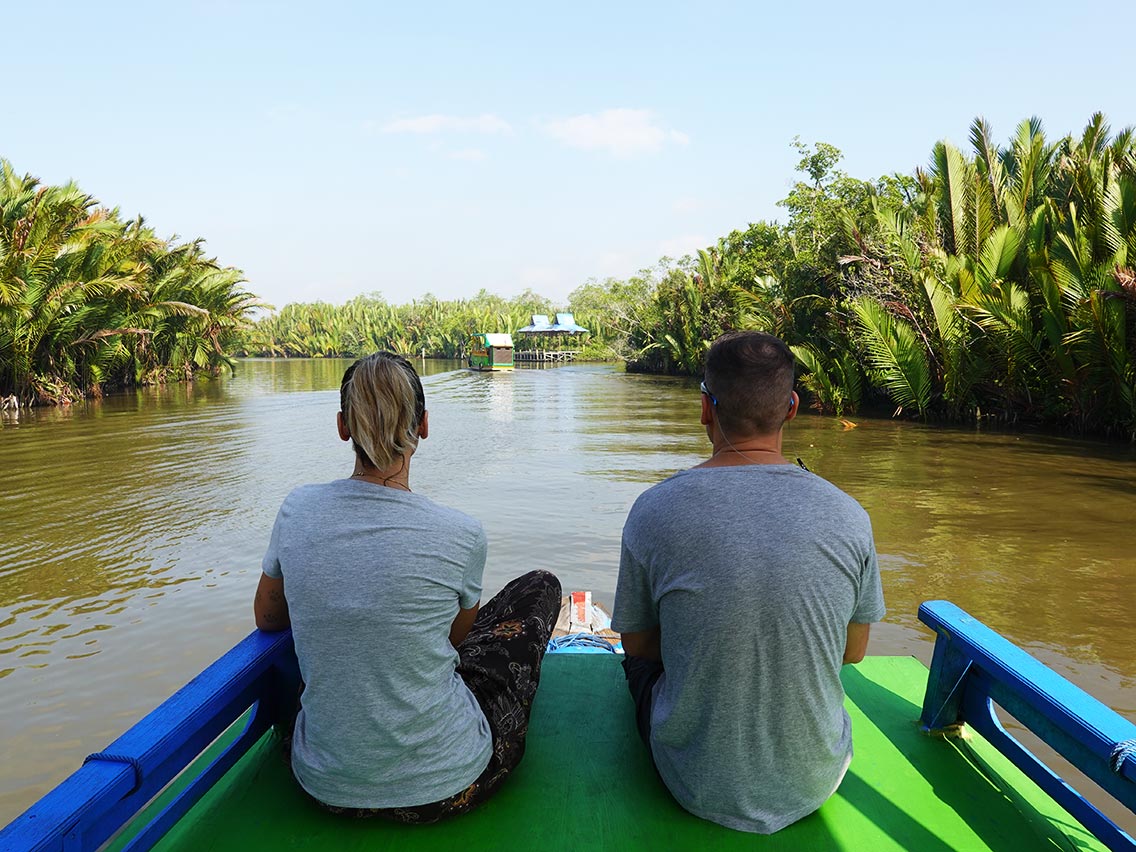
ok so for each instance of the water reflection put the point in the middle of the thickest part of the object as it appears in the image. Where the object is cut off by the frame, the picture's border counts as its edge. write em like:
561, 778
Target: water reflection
131, 528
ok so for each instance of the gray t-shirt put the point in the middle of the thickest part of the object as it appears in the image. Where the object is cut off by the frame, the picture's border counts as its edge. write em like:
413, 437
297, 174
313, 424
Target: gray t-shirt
753, 574
373, 577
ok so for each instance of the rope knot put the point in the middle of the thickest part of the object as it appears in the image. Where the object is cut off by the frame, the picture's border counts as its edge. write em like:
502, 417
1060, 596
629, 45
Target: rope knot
133, 762
1120, 753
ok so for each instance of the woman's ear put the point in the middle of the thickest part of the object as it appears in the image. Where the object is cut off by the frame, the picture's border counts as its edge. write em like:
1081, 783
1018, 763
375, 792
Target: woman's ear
424, 425
341, 424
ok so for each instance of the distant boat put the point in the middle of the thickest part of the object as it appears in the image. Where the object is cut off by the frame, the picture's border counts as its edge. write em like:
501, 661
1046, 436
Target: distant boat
490, 352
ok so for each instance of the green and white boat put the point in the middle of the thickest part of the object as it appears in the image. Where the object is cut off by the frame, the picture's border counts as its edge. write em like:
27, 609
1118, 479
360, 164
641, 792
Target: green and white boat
490, 352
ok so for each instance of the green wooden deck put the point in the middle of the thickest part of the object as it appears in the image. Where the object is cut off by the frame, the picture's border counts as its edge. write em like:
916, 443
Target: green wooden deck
586, 784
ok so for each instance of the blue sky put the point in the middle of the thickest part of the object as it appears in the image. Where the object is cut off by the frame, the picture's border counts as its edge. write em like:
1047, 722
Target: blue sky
330, 149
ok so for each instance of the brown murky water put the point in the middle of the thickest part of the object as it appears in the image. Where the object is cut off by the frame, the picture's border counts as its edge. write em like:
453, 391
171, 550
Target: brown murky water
131, 529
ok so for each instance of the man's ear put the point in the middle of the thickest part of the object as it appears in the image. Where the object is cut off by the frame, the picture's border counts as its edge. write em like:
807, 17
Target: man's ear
707, 411
424, 426
341, 424
794, 406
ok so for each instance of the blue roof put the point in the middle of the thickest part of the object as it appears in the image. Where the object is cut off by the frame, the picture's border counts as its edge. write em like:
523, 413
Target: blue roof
565, 324
539, 323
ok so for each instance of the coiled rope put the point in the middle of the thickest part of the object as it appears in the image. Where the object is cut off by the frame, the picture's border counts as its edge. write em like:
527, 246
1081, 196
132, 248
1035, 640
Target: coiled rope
1120, 753
579, 640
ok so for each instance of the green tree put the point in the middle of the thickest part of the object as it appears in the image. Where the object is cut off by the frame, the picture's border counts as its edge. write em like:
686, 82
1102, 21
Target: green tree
88, 301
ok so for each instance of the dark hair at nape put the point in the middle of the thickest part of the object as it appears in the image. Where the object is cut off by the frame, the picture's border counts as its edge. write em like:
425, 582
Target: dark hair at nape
750, 374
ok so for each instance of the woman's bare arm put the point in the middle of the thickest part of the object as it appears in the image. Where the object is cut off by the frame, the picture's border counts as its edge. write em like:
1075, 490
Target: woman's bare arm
462, 624
269, 606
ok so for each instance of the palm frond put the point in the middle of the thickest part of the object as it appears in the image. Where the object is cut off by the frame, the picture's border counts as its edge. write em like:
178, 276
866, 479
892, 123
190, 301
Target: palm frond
896, 354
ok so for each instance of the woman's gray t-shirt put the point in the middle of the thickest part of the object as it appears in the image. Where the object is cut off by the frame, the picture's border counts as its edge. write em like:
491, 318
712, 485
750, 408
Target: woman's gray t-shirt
374, 577
753, 573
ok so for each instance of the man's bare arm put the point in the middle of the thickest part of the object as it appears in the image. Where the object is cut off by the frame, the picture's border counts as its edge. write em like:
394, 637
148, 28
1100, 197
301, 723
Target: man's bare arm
645, 644
857, 644
463, 622
269, 606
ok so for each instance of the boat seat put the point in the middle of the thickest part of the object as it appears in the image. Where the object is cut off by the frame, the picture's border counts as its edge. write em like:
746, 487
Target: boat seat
586, 783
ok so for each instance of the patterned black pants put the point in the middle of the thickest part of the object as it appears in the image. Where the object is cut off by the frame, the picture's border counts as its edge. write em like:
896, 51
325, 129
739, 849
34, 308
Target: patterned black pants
500, 663
641, 676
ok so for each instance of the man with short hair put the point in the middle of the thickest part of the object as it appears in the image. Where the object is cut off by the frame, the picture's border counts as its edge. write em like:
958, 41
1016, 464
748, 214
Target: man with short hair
744, 584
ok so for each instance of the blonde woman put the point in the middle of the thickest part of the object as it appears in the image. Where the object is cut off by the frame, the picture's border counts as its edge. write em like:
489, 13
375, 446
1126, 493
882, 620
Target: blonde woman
416, 702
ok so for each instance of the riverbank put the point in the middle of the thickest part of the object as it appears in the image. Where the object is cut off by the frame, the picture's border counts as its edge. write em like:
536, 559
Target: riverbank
996, 285
91, 302
133, 564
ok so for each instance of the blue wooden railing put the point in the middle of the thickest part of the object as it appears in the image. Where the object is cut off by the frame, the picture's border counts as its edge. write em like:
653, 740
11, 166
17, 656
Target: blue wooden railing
973, 668
116, 783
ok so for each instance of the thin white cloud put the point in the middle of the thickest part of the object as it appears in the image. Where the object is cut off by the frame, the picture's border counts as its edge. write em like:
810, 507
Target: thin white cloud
688, 205
622, 132
286, 113
540, 278
614, 262
469, 155
486, 123
677, 247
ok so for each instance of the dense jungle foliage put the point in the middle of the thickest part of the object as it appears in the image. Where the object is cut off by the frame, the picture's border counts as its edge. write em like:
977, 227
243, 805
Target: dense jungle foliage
997, 283
90, 302
439, 329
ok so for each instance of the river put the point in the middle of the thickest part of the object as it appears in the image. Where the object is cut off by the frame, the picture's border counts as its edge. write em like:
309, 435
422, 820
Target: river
131, 528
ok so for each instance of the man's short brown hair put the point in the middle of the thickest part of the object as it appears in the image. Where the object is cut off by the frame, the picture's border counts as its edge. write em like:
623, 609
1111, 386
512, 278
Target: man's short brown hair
750, 374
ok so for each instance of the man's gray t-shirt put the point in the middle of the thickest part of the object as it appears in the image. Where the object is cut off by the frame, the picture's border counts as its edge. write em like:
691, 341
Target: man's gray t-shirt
753, 574
373, 578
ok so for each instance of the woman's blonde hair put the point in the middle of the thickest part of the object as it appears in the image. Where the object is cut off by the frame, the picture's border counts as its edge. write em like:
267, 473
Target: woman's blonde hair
382, 403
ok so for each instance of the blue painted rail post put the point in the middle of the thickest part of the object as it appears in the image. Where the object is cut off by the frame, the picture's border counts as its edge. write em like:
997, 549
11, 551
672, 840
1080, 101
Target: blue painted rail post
973, 667
113, 785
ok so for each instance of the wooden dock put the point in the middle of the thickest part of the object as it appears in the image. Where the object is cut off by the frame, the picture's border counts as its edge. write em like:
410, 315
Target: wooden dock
556, 356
